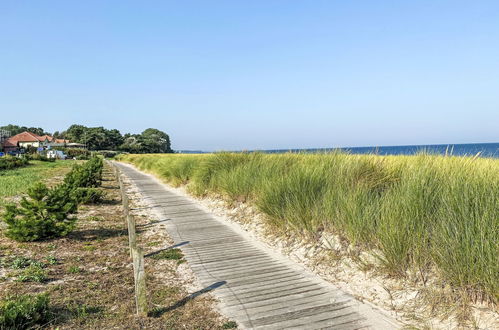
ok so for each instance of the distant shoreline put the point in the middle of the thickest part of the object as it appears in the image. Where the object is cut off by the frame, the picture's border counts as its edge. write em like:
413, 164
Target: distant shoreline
463, 149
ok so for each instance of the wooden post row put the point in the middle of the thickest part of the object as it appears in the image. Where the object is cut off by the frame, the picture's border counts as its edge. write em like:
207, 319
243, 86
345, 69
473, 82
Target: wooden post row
136, 253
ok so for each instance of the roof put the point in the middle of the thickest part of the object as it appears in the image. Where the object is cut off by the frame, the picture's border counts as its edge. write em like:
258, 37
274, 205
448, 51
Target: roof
25, 137
31, 137
8, 143
46, 137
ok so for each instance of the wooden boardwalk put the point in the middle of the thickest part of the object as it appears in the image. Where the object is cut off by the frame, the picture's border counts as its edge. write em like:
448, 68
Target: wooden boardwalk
255, 287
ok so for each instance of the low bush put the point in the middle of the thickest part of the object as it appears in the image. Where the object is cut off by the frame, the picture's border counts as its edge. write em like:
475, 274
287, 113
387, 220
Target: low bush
88, 195
8, 162
24, 312
46, 213
39, 157
87, 175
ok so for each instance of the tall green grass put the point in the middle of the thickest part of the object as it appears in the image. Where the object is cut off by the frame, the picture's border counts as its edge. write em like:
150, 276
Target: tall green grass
427, 212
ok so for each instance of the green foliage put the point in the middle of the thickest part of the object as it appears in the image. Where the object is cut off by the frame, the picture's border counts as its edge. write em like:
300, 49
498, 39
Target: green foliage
32, 273
39, 157
88, 195
46, 213
77, 153
229, 325
99, 138
23, 262
74, 270
52, 260
87, 175
24, 312
170, 254
15, 129
425, 212
8, 162
17, 181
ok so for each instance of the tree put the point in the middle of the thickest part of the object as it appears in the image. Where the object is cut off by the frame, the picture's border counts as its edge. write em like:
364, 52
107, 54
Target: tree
114, 139
15, 129
75, 133
155, 141
131, 143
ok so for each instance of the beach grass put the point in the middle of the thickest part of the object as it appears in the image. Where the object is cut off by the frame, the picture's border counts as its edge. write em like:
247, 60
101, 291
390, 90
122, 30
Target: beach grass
433, 213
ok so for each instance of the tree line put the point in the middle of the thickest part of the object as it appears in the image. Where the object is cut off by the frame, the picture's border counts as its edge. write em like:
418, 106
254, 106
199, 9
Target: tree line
150, 140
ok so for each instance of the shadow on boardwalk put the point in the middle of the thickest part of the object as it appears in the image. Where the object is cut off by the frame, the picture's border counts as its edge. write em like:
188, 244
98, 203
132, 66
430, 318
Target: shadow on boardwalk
180, 303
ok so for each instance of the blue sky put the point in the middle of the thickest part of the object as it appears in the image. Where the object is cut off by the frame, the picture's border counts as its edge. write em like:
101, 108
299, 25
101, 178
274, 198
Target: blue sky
256, 74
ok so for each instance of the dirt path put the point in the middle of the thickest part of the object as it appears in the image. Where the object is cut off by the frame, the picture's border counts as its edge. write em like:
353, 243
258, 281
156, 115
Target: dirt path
256, 287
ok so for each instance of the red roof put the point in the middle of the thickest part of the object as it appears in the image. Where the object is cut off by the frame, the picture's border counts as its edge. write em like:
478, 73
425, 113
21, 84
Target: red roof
31, 137
25, 137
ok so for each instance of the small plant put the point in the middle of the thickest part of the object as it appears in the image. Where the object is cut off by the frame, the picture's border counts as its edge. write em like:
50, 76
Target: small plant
171, 254
89, 248
20, 262
229, 325
74, 270
51, 260
23, 312
33, 273
45, 214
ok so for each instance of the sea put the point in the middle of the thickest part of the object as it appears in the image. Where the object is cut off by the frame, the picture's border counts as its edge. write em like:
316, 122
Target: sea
468, 149
490, 150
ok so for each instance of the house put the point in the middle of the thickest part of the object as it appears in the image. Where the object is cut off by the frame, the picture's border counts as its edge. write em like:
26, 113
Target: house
26, 140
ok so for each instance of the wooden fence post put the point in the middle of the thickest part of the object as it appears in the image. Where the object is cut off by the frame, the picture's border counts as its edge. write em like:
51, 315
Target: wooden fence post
136, 253
140, 281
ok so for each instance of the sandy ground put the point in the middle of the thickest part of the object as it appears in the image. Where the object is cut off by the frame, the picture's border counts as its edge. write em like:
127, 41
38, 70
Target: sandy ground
353, 271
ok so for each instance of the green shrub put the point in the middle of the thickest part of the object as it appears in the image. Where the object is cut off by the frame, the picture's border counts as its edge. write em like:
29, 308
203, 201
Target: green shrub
23, 312
39, 157
8, 162
87, 175
88, 195
45, 214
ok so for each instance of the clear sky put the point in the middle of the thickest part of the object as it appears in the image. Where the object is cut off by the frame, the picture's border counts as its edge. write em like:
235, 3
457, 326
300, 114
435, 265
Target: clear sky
256, 74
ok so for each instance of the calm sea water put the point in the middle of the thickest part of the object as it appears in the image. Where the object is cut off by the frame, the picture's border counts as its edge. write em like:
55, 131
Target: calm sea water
472, 149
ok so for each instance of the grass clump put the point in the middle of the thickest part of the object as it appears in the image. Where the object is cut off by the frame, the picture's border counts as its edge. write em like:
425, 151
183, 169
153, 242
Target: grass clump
23, 312
170, 254
430, 213
229, 325
32, 273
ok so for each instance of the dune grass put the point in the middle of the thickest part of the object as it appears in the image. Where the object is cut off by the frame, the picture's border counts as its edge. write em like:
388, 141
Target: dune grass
16, 181
437, 214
